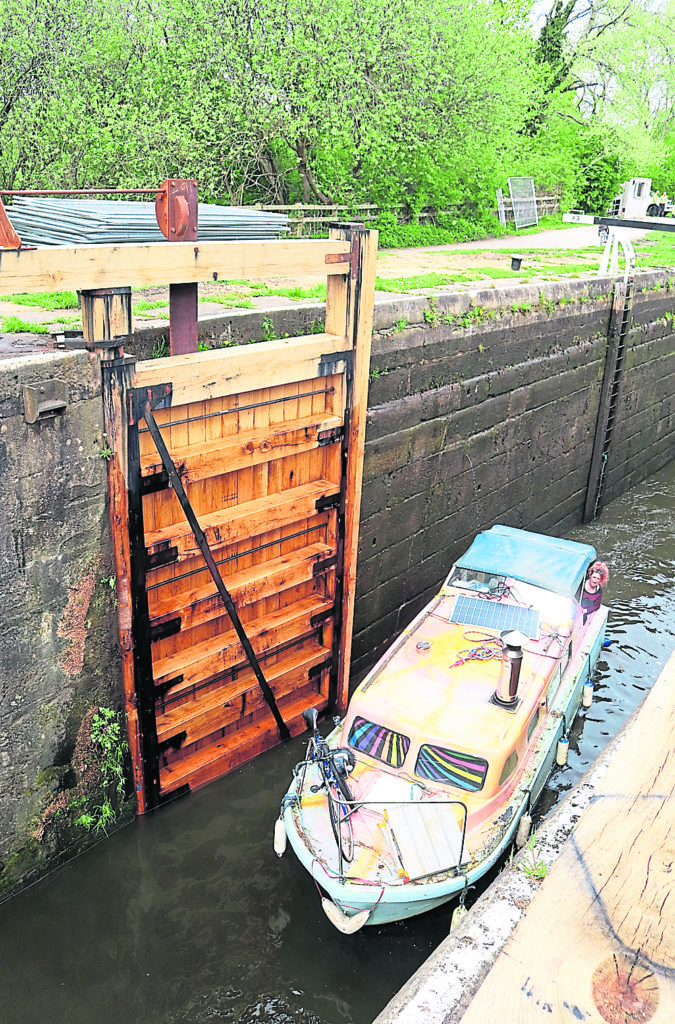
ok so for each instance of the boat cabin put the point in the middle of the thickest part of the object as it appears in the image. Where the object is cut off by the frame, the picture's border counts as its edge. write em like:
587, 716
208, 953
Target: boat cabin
461, 698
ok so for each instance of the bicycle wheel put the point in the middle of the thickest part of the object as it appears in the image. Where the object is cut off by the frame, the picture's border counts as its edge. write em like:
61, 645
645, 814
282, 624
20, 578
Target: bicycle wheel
338, 792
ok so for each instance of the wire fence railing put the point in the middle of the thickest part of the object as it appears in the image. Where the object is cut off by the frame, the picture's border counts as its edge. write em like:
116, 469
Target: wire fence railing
311, 221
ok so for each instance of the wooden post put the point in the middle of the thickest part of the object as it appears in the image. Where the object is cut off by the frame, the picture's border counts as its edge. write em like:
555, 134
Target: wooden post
107, 321
349, 310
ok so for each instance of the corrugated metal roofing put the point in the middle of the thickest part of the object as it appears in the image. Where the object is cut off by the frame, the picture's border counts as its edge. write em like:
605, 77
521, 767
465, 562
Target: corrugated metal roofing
44, 221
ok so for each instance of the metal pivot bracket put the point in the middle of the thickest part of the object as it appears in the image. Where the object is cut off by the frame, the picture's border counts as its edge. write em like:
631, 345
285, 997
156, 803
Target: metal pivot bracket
8, 236
176, 209
46, 398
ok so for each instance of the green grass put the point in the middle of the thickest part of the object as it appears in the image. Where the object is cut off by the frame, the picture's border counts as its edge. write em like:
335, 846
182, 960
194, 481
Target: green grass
657, 249
144, 305
14, 325
231, 301
68, 321
317, 291
532, 268
46, 300
417, 282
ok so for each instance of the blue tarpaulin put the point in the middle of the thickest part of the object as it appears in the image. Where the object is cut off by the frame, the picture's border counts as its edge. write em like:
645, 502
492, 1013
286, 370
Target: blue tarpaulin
557, 565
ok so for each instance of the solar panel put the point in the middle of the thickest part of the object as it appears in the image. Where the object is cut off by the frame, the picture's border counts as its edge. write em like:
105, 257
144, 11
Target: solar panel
472, 611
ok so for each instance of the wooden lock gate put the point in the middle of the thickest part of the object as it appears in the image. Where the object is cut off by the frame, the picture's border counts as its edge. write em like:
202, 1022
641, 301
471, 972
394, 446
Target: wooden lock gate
234, 485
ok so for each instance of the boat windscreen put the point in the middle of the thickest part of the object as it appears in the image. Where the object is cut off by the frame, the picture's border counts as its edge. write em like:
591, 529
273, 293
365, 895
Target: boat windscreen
378, 741
548, 562
440, 765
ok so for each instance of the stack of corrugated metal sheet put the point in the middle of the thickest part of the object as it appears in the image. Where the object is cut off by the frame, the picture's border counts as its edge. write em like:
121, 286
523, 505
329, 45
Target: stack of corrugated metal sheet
43, 221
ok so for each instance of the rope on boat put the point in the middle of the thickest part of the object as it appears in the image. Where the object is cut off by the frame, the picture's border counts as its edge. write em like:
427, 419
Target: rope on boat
488, 647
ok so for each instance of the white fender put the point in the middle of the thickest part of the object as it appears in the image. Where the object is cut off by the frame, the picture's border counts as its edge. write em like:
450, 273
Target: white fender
279, 837
345, 924
562, 751
524, 826
457, 916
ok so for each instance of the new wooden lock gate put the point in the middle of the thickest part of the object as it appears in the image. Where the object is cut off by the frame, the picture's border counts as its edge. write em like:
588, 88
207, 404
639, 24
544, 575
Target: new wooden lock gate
234, 486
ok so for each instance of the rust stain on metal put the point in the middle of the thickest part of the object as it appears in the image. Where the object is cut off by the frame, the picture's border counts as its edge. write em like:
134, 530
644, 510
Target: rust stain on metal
176, 210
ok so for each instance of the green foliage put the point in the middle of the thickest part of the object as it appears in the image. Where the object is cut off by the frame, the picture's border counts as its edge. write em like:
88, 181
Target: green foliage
391, 101
532, 864
107, 735
446, 230
14, 325
267, 329
161, 349
46, 300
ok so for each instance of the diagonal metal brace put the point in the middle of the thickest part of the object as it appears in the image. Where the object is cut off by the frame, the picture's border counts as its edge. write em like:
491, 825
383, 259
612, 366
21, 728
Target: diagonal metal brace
177, 484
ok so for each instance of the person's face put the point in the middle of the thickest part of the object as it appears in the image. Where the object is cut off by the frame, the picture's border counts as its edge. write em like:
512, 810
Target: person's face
595, 576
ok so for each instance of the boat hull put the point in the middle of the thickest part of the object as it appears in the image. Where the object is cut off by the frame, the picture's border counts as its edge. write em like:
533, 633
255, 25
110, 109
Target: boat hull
385, 903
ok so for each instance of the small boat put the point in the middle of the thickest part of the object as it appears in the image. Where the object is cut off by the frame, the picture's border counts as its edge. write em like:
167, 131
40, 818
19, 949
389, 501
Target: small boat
448, 742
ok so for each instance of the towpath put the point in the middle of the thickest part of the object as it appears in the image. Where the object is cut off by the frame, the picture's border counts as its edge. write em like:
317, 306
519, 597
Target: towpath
464, 264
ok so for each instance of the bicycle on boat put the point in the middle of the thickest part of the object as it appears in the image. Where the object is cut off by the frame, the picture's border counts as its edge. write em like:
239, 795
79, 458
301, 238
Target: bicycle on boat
334, 766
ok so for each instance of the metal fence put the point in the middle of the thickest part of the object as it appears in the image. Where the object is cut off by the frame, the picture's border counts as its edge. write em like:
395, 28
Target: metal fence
523, 202
310, 221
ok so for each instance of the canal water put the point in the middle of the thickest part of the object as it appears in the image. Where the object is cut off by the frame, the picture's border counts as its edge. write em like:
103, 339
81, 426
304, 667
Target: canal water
188, 917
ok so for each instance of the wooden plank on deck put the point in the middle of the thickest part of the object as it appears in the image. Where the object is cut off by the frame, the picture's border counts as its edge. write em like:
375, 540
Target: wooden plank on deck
597, 944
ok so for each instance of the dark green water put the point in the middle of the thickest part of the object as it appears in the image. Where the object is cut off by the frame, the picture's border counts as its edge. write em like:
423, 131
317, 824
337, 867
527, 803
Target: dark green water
188, 917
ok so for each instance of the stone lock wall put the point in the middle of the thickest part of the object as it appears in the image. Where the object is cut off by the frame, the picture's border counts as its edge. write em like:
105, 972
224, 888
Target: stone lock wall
58, 629
482, 409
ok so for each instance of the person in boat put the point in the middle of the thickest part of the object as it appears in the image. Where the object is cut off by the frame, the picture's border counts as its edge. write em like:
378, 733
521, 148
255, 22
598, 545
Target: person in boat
596, 580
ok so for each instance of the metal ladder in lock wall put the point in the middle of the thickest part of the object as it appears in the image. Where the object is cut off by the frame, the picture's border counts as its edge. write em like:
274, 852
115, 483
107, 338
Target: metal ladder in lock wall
611, 384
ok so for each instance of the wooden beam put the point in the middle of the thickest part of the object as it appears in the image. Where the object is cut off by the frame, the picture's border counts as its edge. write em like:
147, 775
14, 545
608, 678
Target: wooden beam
117, 377
247, 448
235, 523
598, 941
359, 315
213, 374
161, 263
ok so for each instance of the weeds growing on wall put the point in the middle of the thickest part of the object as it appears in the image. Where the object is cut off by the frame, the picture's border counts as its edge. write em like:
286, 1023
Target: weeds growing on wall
108, 740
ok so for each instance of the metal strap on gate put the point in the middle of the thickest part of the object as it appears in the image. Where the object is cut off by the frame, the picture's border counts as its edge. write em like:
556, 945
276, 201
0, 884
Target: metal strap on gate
177, 485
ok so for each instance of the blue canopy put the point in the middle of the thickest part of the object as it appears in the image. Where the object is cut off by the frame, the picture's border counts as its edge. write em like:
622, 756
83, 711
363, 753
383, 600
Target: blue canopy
557, 565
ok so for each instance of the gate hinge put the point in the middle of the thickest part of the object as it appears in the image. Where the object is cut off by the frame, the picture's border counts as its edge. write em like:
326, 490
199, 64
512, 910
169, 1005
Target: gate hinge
158, 396
327, 501
325, 437
323, 565
168, 627
161, 557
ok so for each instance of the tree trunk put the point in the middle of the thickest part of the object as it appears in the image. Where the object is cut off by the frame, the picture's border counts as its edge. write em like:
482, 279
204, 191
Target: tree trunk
308, 182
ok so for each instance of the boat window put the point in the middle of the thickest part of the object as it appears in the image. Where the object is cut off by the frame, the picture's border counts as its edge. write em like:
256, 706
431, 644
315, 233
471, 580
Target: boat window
509, 768
534, 721
441, 765
384, 744
473, 579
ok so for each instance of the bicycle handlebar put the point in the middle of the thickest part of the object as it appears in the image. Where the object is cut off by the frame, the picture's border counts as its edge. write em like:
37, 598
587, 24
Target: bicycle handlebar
310, 716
